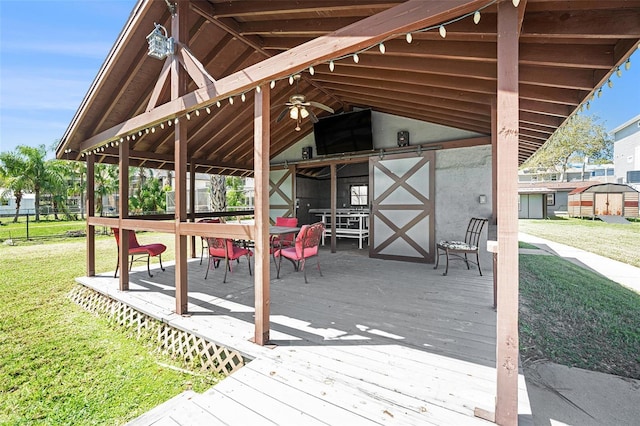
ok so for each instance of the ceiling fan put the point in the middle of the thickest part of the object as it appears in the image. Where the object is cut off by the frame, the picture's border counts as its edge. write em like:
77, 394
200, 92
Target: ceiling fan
298, 107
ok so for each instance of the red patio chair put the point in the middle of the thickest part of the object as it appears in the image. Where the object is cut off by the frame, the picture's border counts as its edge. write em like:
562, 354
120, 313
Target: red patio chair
306, 246
223, 248
135, 249
203, 240
287, 239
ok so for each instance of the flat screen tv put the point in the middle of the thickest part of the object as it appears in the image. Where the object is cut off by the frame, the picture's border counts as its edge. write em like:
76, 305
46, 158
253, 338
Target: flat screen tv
344, 133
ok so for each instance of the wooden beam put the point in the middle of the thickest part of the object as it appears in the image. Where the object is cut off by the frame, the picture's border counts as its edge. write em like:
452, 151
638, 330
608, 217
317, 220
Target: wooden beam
192, 204
507, 175
91, 211
123, 213
409, 16
261, 178
160, 83
179, 31
334, 204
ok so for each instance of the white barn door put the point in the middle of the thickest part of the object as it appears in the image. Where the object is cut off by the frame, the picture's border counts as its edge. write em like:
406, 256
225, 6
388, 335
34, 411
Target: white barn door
402, 207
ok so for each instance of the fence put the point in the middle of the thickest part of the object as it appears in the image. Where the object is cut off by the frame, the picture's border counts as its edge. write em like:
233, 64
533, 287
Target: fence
26, 228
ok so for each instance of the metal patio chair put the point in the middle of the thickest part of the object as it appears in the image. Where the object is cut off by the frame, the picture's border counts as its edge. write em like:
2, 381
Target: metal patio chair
224, 248
460, 249
306, 245
136, 249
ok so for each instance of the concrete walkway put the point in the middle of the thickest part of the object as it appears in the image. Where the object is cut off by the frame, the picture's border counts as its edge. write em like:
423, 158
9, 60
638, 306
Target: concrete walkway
561, 395
622, 273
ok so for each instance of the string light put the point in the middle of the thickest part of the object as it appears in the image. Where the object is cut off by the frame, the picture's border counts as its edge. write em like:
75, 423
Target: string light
272, 84
176, 121
312, 71
162, 126
610, 83
515, 2
382, 48
218, 104
356, 58
409, 38
618, 72
169, 123
230, 100
258, 89
188, 116
332, 66
197, 113
243, 97
290, 80
627, 65
153, 130
443, 31
476, 17
146, 131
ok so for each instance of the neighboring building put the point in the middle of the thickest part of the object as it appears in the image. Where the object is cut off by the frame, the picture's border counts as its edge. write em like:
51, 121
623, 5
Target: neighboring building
8, 204
545, 193
626, 152
609, 199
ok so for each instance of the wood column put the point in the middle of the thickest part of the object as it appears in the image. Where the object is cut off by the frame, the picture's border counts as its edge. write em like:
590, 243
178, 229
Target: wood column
192, 203
261, 210
91, 211
123, 213
507, 209
334, 203
494, 163
179, 31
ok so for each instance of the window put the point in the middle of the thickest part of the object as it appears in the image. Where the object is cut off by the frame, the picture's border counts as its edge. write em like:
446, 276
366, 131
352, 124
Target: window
551, 199
359, 195
554, 177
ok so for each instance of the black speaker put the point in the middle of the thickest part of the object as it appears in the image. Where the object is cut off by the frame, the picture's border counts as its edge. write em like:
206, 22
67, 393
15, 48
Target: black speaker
403, 138
307, 153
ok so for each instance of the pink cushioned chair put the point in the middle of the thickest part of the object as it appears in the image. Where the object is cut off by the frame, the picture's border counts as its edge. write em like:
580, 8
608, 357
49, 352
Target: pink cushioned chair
306, 245
287, 239
223, 248
135, 249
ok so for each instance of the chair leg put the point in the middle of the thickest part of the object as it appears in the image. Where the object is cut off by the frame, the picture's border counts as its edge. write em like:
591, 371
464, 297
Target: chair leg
148, 268
226, 269
319, 270
437, 257
115, 275
478, 262
249, 263
466, 261
446, 270
131, 264
160, 259
303, 270
278, 265
208, 266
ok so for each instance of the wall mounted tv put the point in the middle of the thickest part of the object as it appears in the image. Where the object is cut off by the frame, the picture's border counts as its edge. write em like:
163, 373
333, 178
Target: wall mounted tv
343, 133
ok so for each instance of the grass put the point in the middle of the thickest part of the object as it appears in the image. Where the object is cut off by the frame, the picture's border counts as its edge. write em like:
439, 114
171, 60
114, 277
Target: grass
37, 230
522, 244
618, 242
572, 316
61, 365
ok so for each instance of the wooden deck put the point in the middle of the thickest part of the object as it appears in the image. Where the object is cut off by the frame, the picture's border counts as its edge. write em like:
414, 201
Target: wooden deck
371, 342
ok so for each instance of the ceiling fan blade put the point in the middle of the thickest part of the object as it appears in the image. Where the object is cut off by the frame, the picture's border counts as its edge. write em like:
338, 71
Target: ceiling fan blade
321, 106
312, 116
282, 114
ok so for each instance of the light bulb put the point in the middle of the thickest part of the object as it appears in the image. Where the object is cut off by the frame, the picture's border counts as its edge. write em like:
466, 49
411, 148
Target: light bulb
243, 97
515, 2
218, 104
600, 92
627, 65
231, 100
272, 84
618, 72
153, 130
356, 58
382, 48
175, 121
293, 113
311, 70
610, 84
208, 110
197, 113
332, 66
476, 17
121, 139
133, 137
169, 123
188, 116
290, 80
117, 143
443, 31
162, 126
588, 105
258, 89
409, 38
140, 133
297, 127
304, 113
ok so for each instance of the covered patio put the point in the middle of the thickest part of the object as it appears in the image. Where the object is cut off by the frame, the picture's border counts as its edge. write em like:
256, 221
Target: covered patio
494, 79
356, 345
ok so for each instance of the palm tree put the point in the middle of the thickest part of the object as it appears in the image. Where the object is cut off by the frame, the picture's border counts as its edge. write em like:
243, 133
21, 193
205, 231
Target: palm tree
106, 183
12, 171
218, 193
38, 173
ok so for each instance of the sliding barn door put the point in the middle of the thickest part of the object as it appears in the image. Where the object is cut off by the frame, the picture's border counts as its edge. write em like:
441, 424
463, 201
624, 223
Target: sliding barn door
282, 193
402, 207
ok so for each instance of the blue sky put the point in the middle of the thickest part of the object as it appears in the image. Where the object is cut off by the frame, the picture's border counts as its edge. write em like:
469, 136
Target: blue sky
50, 52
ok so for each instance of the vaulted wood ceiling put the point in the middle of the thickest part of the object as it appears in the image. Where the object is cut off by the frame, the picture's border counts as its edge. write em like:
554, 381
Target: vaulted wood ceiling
568, 49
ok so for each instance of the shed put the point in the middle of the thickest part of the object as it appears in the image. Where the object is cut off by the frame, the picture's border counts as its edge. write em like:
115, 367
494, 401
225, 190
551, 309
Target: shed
611, 199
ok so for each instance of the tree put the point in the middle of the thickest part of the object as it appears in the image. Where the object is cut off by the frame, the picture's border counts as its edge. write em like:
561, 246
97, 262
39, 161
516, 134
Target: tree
106, 183
235, 194
218, 193
12, 172
578, 139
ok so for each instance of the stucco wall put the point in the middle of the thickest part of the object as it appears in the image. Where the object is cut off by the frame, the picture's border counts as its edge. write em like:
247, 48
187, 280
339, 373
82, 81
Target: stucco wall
462, 175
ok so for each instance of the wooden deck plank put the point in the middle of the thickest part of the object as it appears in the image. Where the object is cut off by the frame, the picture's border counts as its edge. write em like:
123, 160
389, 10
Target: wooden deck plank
371, 342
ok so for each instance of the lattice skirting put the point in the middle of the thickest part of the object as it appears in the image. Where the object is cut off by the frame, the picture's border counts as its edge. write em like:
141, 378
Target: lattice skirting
193, 350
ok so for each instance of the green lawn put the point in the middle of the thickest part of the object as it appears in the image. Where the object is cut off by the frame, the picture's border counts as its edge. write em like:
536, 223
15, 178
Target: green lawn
37, 230
619, 242
574, 317
60, 364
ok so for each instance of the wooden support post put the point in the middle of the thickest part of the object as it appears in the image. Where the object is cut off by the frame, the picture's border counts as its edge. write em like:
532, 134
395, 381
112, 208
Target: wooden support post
91, 211
192, 203
123, 209
334, 203
178, 88
494, 163
261, 175
507, 205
